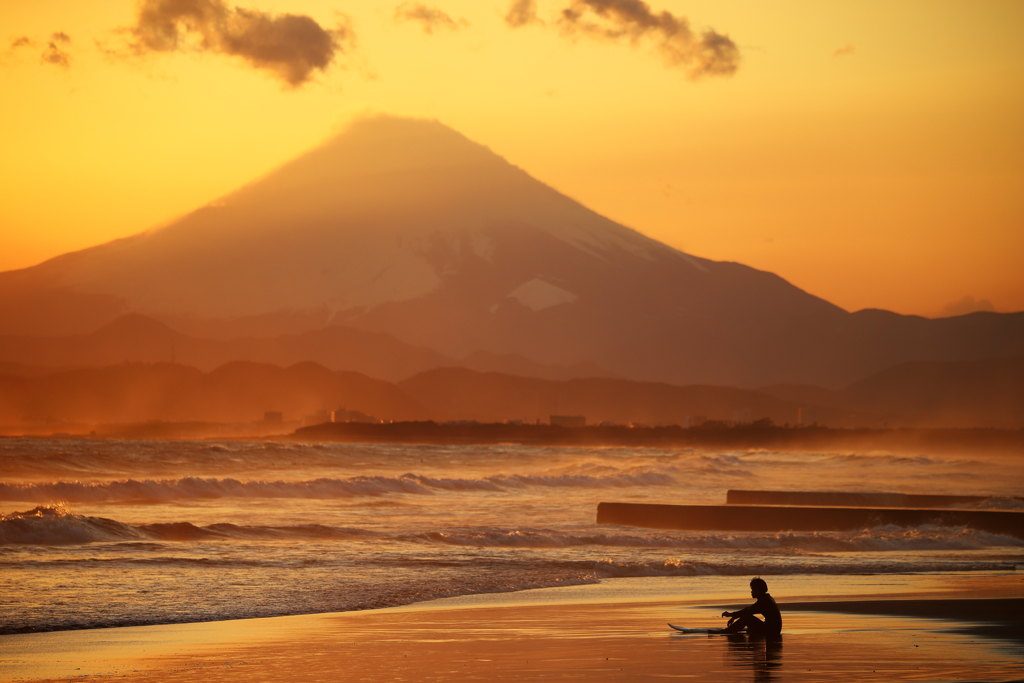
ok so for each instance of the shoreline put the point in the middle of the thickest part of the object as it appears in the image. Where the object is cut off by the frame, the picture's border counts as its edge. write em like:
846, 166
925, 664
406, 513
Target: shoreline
998, 618
989, 440
610, 631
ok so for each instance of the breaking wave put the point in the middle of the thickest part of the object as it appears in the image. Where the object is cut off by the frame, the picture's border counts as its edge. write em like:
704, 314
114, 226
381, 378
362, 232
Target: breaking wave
56, 525
895, 459
610, 568
995, 503
876, 539
163, 490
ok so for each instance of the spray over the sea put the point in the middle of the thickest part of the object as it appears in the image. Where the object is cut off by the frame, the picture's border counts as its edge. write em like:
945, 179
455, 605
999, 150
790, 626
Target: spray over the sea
106, 533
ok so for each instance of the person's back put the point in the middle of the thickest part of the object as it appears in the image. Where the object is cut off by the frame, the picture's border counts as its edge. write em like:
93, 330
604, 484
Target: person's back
767, 607
764, 605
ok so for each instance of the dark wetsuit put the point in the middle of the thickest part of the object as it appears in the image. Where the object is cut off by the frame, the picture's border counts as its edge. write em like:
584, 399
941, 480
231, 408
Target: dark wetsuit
766, 606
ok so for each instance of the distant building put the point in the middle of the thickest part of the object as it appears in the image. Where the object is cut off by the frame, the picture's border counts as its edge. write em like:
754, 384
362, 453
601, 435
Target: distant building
319, 417
273, 417
806, 416
568, 420
346, 415
741, 416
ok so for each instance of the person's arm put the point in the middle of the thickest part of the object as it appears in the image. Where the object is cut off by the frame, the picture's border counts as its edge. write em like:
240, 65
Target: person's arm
749, 609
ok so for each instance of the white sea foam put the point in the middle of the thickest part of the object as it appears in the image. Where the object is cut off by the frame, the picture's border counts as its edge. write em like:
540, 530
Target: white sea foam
56, 525
885, 538
995, 503
205, 530
162, 490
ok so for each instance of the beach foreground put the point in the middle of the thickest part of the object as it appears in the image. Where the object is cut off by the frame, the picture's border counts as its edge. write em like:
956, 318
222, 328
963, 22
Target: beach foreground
882, 628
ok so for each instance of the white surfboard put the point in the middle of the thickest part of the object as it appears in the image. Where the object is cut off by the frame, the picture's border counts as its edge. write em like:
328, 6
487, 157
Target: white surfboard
695, 630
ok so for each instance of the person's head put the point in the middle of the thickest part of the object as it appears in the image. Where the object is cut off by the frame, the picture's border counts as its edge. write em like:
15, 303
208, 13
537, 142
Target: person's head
758, 587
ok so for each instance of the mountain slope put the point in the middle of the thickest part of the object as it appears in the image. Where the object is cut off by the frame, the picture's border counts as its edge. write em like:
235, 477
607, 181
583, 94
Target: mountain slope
456, 393
406, 228
136, 338
952, 394
236, 392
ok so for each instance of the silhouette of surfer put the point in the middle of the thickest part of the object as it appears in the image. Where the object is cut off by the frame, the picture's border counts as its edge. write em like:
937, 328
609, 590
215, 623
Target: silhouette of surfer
744, 619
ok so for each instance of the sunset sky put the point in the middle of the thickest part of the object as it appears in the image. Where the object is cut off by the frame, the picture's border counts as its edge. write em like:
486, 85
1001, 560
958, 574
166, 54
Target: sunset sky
871, 153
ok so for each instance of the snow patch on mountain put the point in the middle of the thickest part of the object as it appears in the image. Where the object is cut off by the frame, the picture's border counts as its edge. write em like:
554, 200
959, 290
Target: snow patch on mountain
538, 295
483, 246
405, 276
602, 238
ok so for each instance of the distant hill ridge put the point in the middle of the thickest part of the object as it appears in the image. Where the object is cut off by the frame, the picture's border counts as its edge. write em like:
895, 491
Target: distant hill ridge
953, 396
138, 338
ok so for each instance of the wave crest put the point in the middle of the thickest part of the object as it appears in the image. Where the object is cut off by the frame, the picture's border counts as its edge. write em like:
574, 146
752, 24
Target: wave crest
56, 525
190, 488
882, 538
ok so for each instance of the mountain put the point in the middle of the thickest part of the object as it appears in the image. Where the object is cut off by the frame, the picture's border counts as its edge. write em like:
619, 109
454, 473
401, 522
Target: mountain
242, 392
405, 228
457, 393
128, 338
136, 338
956, 394
236, 392
953, 394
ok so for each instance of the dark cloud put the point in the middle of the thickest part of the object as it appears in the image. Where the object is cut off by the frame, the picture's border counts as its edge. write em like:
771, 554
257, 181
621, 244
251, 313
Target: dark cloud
845, 50
429, 17
54, 53
966, 305
291, 46
706, 54
521, 13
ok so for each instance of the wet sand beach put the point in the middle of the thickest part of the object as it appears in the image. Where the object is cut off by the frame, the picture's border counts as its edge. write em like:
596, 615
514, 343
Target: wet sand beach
918, 629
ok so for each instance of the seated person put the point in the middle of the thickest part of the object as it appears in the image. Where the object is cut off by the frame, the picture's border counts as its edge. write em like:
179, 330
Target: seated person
764, 605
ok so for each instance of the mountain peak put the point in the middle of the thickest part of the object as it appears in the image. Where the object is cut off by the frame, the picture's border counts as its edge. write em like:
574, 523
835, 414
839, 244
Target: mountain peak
405, 227
382, 150
408, 142
391, 210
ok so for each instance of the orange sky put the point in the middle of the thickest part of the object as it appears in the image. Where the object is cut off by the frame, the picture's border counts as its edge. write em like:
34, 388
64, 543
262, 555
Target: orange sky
869, 152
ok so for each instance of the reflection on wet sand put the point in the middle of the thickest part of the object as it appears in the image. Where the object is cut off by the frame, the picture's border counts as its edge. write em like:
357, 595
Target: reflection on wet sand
762, 655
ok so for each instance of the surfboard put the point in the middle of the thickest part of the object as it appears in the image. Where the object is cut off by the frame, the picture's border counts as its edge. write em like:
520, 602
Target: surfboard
695, 630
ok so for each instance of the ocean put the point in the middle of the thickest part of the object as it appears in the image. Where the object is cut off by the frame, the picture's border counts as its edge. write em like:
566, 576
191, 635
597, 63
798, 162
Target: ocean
100, 533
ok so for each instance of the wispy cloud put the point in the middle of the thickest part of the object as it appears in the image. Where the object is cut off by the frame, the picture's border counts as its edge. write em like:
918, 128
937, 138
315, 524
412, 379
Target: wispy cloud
708, 53
845, 50
430, 18
55, 53
291, 46
966, 305
522, 13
